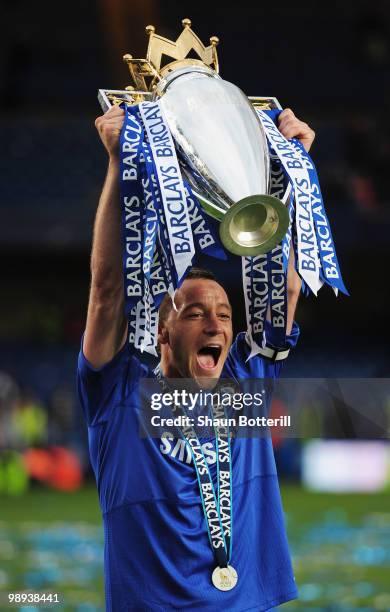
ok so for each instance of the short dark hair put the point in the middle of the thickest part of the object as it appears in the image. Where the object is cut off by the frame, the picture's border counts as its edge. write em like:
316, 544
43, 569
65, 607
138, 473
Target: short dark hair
192, 274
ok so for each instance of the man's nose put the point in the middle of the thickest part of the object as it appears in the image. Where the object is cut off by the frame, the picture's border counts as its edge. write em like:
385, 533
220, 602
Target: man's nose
213, 325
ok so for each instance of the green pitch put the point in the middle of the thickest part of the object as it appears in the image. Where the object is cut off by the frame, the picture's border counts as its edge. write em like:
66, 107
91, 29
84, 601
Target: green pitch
340, 545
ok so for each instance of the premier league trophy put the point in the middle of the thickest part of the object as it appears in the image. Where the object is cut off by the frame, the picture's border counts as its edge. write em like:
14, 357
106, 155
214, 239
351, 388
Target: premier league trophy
195, 148
222, 146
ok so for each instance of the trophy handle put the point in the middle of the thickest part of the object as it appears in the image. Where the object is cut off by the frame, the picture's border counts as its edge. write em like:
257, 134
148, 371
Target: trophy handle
264, 102
110, 97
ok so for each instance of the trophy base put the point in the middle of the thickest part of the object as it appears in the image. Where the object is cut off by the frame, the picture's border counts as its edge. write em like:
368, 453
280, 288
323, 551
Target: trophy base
254, 225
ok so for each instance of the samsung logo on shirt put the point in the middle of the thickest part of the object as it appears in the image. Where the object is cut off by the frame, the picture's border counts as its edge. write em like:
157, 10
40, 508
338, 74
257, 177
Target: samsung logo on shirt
178, 449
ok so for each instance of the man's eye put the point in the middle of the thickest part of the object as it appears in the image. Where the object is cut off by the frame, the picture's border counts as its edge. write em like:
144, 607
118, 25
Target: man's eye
194, 315
224, 316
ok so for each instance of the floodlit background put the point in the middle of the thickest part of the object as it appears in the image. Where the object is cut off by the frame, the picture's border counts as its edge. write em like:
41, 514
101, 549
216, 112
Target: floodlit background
330, 63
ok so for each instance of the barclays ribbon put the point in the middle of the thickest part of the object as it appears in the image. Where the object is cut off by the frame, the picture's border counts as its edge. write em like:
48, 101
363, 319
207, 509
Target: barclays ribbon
277, 268
146, 325
131, 206
278, 295
217, 507
166, 254
256, 295
204, 237
308, 260
287, 238
146, 313
131, 140
265, 280
278, 186
330, 272
162, 219
158, 280
140, 229
171, 186
151, 206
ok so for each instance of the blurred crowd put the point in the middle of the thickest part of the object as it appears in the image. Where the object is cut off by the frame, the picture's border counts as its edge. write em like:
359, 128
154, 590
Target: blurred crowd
40, 441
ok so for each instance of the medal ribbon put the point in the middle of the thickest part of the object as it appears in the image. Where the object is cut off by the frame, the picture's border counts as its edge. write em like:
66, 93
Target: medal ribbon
217, 509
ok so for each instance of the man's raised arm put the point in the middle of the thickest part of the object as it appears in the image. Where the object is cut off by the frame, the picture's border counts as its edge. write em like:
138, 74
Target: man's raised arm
106, 327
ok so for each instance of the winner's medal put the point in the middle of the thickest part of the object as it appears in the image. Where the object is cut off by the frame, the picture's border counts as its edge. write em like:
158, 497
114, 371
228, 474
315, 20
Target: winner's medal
224, 578
217, 508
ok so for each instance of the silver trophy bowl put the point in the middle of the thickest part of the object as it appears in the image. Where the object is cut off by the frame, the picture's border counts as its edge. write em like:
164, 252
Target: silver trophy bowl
224, 156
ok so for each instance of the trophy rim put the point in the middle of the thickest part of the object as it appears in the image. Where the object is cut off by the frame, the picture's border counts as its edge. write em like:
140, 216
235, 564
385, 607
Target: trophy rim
237, 249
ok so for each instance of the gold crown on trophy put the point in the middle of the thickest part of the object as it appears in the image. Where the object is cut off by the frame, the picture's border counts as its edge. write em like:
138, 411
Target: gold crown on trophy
150, 67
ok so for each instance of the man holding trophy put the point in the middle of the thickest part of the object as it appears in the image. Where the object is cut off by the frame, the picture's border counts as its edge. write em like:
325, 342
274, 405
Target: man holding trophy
167, 547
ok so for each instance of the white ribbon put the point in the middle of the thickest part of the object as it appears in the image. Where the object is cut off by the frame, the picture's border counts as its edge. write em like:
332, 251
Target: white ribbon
295, 166
171, 185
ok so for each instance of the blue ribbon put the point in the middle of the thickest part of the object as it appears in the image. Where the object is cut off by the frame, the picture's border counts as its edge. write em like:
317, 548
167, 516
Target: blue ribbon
259, 296
330, 269
278, 295
287, 238
131, 195
150, 209
159, 282
205, 237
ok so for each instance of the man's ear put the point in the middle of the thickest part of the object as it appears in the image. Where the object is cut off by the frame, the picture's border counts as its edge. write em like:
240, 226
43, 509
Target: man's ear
163, 335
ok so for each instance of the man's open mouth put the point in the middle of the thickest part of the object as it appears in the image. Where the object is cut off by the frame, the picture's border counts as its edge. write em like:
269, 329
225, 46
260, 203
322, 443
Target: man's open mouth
209, 355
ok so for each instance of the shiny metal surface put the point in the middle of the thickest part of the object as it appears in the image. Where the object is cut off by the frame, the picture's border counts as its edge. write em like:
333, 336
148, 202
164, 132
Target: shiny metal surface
218, 134
253, 226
